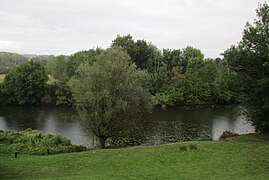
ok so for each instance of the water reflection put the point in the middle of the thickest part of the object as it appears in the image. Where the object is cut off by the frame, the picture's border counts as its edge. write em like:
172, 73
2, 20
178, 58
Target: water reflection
163, 123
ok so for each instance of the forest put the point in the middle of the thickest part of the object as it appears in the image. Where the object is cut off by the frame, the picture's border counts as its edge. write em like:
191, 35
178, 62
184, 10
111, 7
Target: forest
175, 77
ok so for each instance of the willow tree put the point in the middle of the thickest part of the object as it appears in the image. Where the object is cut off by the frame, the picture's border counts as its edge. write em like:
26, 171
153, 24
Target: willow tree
109, 94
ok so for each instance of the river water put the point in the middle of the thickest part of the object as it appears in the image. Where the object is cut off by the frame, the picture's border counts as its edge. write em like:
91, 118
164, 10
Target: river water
65, 121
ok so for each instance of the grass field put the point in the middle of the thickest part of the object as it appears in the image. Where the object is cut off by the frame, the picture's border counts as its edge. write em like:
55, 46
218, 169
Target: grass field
2, 76
244, 158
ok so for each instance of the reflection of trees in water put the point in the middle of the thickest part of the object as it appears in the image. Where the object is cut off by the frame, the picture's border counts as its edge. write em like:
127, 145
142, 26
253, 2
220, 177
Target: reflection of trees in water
173, 125
59, 120
158, 132
36, 117
20, 117
173, 131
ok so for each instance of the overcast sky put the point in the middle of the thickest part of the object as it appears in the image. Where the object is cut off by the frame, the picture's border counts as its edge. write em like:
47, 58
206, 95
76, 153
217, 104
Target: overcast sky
67, 26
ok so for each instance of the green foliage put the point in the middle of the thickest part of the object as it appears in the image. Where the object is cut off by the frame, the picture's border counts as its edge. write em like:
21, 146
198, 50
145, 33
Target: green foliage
36, 143
200, 80
45, 61
81, 57
63, 94
170, 97
2, 77
49, 96
11, 59
193, 146
227, 135
64, 67
5, 70
183, 148
25, 85
250, 61
173, 61
110, 94
157, 70
59, 68
192, 56
139, 51
126, 43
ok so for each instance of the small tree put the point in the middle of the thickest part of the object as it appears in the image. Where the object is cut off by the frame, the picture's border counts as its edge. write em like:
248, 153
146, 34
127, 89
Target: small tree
109, 94
26, 84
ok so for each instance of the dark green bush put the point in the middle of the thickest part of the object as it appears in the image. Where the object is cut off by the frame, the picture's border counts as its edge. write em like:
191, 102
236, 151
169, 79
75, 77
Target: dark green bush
35, 142
183, 148
193, 146
226, 135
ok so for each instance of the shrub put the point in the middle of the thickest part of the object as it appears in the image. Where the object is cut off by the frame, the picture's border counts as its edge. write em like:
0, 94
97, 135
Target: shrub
183, 148
35, 142
193, 146
169, 97
226, 135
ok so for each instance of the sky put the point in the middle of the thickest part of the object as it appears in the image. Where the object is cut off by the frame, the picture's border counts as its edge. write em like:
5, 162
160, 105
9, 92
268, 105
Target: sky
67, 26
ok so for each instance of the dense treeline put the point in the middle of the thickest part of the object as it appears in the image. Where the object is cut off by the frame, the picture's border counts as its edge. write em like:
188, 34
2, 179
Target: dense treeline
176, 77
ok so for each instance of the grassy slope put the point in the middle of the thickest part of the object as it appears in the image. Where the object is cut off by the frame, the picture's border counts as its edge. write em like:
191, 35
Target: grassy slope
245, 158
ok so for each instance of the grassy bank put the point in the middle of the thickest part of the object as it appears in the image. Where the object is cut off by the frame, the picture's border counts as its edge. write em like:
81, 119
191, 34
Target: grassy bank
247, 157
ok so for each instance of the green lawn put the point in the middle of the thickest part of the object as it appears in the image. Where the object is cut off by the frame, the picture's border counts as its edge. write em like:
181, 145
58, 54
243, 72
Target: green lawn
244, 158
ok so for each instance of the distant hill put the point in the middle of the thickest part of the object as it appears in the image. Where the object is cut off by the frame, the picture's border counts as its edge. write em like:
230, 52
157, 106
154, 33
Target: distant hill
29, 56
9, 60
33, 56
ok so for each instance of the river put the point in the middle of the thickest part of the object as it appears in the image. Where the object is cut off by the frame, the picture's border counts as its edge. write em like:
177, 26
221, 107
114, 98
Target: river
65, 121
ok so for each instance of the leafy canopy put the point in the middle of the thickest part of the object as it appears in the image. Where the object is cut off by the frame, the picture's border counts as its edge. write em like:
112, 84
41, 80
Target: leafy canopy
110, 94
250, 59
25, 85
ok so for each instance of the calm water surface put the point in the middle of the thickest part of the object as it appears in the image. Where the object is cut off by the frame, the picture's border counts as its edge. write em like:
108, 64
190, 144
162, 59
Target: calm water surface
65, 121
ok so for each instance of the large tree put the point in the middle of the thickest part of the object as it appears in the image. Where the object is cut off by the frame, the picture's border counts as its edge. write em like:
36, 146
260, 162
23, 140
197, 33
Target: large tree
110, 94
139, 51
59, 67
25, 85
250, 60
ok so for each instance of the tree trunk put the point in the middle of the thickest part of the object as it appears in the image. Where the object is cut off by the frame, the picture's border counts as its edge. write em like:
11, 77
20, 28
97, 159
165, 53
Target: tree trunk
102, 142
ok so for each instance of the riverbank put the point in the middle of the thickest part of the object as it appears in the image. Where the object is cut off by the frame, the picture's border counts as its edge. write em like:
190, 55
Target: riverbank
246, 157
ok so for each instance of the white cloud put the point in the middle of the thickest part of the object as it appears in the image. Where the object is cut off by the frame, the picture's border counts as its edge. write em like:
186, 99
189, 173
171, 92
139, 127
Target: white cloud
67, 26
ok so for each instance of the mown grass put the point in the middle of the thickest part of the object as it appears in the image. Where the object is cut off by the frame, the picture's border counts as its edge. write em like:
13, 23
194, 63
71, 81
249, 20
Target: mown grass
247, 157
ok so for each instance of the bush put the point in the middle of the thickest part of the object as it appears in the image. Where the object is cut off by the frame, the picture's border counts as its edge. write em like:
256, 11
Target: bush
193, 146
36, 143
183, 148
169, 97
227, 135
